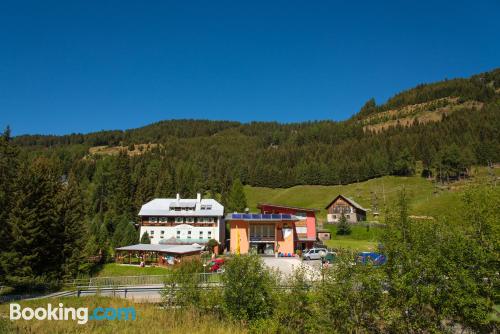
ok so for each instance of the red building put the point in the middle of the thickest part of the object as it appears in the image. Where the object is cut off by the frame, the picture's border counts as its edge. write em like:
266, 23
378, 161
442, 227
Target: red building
305, 227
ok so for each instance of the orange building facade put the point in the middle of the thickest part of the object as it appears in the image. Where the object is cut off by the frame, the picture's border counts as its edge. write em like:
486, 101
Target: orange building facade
265, 234
305, 224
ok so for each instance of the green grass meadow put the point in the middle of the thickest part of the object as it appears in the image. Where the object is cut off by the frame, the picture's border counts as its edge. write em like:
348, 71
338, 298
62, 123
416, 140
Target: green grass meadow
425, 197
117, 269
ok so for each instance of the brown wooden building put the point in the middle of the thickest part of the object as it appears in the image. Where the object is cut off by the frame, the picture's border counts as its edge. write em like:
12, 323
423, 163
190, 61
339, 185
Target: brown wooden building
343, 205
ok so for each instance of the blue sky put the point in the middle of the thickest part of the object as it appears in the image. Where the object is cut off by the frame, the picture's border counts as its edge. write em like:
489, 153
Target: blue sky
81, 66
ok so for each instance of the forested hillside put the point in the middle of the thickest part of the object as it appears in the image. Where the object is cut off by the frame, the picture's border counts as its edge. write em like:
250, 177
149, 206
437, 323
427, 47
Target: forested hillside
464, 130
51, 184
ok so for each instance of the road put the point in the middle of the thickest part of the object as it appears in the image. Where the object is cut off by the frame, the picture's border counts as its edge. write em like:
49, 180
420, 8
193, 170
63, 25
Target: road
287, 265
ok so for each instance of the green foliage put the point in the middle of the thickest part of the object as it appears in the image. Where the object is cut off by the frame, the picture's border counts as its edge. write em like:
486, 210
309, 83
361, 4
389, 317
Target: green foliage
211, 244
183, 286
296, 310
8, 169
72, 218
34, 223
248, 288
439, 273
125, 234
145, 238
451, 161
343, 227
352, 297
404, 164
236, 201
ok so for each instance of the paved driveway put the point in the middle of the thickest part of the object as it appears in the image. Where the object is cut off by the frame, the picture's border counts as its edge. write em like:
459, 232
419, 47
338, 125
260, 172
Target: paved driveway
287, 265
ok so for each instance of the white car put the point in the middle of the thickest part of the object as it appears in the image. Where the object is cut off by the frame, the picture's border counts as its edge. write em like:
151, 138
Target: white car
314, 254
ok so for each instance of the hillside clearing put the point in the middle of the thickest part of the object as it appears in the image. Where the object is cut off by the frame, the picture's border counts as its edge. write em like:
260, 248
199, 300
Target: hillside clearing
425, 197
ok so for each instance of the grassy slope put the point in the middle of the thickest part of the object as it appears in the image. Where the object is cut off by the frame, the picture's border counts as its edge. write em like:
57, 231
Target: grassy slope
149, 319
424, 199
114, 269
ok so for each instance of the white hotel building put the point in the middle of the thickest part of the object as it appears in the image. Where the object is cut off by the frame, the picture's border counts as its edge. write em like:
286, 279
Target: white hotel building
182, 221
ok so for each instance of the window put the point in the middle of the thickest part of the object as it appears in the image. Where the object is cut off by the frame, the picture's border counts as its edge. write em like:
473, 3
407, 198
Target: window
262, 231
301, 214
334, 216
153, 219
162, 232
201, 235
190, 219
179, 220
189, 234
163, 219
348, 216
152, 232
209, 234
178, 236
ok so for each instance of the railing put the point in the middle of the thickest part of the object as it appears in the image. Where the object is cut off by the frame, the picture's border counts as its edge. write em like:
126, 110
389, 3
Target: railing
144, 280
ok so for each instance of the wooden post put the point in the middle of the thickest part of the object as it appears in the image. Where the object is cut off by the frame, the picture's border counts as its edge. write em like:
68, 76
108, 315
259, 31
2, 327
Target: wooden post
129, 257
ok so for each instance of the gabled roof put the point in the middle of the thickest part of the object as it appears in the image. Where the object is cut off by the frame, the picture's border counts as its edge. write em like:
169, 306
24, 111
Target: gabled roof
163, 206
347, 199
287, 207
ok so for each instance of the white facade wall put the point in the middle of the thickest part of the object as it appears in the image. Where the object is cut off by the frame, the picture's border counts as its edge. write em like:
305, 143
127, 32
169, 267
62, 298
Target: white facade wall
172, 232
184, 212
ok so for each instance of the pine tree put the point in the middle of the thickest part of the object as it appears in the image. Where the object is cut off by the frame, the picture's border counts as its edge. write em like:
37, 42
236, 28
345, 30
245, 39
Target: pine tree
129, 235
236, 201
75, 233
8, 167
343, 228
35, 225
145, 238
125, 234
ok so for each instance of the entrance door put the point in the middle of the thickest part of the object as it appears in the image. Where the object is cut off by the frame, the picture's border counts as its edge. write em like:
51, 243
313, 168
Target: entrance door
263, 248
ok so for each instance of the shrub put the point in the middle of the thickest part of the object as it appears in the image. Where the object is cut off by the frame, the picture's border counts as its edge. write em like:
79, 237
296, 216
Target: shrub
343, 228
249, 288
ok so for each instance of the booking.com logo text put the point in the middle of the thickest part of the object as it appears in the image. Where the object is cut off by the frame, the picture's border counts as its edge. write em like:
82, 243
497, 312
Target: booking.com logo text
81, 314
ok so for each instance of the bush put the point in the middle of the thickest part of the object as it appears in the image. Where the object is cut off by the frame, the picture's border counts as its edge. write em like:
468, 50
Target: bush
344, 227
249, 288
183, 286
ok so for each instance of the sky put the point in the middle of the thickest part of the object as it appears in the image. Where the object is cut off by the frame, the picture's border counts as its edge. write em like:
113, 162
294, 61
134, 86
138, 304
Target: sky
83, 66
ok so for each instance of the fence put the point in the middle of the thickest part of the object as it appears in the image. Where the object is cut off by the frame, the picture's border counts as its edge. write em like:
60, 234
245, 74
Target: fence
144, 280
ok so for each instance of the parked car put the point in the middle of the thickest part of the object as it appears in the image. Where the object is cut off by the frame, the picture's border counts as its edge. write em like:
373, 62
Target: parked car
372, 257
314, 254
216, 265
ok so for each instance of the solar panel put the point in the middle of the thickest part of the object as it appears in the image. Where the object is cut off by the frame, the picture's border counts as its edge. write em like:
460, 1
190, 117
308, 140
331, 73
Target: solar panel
266, 216
276, 216
236, 215
256, 216
246, 216
286, 216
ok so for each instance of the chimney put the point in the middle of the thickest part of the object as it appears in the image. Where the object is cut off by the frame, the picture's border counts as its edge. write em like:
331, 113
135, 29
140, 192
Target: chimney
178, 197
198, 197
